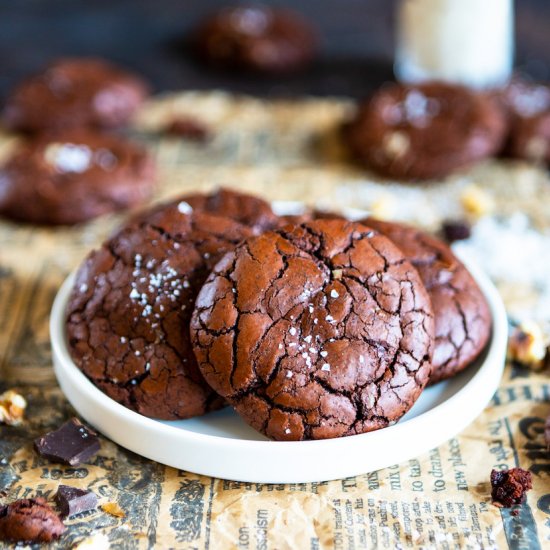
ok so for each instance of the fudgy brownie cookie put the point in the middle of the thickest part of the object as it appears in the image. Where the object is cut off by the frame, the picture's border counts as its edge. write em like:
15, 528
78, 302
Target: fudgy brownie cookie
462, 317
425, 131
315, 331
257, 38
74, 93
29, 520
128, 315
73, 176
246, 209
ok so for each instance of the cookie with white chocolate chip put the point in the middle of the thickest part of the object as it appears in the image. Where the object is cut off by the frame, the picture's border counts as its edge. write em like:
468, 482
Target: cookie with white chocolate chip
425, 131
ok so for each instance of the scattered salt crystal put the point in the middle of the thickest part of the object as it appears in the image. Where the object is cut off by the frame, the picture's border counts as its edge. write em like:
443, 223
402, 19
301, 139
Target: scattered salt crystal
329, 318
308, 338
185, 207
292, 331
134, 294
315, 321
289, 374
123, 340
287, 431
334, 294
83, 287
325, 367
324, 353
312, 350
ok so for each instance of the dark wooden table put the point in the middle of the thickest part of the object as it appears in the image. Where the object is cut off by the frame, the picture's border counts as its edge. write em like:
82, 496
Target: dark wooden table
149, 36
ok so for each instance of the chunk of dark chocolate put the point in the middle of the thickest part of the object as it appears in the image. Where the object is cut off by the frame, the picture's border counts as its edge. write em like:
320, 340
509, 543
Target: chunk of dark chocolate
72, 443
72, 500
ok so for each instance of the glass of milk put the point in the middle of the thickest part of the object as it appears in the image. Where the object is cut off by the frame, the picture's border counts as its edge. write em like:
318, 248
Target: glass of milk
469, 42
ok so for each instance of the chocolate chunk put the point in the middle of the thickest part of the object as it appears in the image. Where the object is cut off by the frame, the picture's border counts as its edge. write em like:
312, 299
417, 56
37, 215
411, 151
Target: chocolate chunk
455, 230
72, 443
29, 520
188, 128
72, 501
509, 486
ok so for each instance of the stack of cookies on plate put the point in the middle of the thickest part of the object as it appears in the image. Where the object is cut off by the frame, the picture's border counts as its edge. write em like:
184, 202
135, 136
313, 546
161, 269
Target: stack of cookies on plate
311, 327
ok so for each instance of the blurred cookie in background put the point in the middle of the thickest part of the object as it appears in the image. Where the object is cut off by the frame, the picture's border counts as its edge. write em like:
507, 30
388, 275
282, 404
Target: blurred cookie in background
73, 176
425, 131
256, 38
527, 105
74, 92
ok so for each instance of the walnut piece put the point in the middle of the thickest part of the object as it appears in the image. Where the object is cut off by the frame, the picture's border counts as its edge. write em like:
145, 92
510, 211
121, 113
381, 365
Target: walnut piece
12, 408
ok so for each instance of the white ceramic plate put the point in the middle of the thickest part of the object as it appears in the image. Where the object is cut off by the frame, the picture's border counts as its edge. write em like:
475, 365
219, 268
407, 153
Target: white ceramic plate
220, 444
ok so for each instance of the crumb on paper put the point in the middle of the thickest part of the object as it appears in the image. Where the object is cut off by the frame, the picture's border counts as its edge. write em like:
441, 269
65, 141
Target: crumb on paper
113, 509
527, 346
12, 408
98, 541
476, 201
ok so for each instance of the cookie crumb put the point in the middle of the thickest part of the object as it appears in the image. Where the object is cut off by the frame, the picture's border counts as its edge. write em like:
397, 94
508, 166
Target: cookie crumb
29, 520
455, 230
527, 346
113, 509
12, 408
508, 487
476, 201
188, 127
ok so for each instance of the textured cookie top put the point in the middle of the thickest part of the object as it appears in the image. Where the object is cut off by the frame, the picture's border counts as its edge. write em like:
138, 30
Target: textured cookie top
128, 315
425, 131
241, 207
74, 175
257, 38
462, 317
74, 92
316, 331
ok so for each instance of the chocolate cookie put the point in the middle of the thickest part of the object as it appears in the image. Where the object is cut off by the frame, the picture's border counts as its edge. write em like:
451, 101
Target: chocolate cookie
425, 131
528, 107
315, 331
74, 93
74, 176
241, 207
29, 520
128, 315
462, 317
257, 38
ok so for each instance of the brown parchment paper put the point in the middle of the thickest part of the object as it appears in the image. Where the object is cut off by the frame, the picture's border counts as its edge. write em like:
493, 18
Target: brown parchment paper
281, 151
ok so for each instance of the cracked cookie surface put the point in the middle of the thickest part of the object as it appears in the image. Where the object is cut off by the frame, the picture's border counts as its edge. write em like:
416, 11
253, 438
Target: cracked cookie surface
462, 317
315, 331
128, 315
